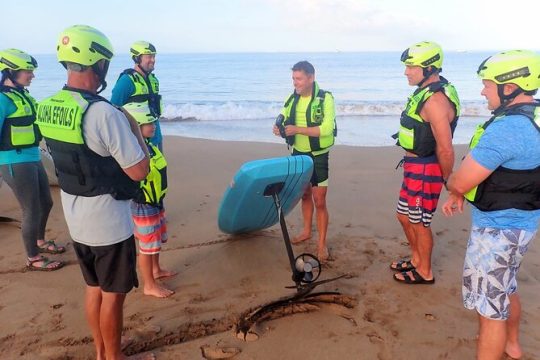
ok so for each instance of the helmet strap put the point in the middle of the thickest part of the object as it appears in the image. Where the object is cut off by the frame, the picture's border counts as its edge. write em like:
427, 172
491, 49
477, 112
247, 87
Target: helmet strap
427, 73
4, 77
101, 72
506, 99
11, 76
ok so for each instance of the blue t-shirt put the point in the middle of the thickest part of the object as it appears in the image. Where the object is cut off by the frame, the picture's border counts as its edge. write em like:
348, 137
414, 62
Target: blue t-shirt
14, 156
513, 142
121, 92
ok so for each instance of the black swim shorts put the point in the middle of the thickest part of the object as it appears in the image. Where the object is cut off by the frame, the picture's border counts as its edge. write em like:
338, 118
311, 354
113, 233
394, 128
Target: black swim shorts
111, 267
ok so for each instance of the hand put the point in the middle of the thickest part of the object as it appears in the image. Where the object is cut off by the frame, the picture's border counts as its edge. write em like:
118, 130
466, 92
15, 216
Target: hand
275, 130
291, 130
453, 205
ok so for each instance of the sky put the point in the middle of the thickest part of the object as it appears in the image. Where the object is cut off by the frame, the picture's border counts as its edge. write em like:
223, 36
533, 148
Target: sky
187, 26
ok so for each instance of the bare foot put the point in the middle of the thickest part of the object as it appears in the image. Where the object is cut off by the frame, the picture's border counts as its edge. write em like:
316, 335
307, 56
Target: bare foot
304, 236
323, 255
142, 356
164, 274
513, 351
158, 291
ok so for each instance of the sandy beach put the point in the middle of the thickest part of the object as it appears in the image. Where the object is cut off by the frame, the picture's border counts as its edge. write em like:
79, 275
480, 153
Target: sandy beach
221, 277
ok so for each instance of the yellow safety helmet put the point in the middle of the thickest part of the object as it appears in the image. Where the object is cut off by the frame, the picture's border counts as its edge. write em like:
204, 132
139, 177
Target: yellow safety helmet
14, 59
423, 54
140, 112
141, 48
520, 67
84, 45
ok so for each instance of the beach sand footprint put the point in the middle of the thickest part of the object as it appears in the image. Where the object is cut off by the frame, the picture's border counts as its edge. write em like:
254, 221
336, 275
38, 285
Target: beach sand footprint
219, 352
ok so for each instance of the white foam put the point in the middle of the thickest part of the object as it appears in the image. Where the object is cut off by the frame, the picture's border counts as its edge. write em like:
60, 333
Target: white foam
252, 110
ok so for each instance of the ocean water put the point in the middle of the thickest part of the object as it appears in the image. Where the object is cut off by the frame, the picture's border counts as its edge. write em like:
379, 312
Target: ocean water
236, 96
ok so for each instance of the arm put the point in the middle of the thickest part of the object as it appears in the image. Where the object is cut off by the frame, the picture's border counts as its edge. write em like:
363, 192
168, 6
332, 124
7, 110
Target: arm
136, 130
439, 113
6, 108
139, 171
108, 132
122, 90
468, 175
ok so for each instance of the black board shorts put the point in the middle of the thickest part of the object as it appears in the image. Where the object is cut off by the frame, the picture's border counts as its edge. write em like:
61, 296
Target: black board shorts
320, 167
111, 267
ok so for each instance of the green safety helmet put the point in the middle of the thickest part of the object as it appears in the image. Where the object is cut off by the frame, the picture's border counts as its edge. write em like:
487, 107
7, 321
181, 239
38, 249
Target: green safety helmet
84, 45
520, 67
140, 112
423, 54
13, 59
142, 48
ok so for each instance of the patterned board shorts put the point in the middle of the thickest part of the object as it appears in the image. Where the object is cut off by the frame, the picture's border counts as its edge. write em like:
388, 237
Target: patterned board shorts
420, 190
150, 227
491, 264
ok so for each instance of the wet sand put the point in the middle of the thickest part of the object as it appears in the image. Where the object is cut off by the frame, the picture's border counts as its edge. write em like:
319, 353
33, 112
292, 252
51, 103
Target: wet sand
221, 277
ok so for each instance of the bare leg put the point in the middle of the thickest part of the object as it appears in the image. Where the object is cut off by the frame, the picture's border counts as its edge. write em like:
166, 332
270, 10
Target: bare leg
307, 213
513, 348
411, 237
157, 271
319, 198
150, 285
424, 247
110, 323
92, 309
491, 339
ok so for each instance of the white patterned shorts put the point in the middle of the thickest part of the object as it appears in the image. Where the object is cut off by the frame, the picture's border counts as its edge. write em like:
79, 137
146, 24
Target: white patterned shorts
491, 264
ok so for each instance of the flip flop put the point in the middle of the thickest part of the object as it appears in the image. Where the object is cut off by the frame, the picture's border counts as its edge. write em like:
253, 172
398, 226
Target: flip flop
50, 247
416, 278
45, 264
402, 265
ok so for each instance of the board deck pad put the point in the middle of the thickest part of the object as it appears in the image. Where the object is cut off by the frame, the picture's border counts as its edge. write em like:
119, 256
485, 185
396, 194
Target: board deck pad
244, 208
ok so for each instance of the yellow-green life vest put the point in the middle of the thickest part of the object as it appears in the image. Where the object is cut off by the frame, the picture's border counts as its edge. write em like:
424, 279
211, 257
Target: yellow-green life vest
19, 129
415, 134
508, 188
154, 187
146, 90
60, 117
314, 117
80, 170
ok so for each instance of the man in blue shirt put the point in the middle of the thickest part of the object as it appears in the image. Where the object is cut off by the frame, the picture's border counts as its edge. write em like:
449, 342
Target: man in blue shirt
140, 84
500, 177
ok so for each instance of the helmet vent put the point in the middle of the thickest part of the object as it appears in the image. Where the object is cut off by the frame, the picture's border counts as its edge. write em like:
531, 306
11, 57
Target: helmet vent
9, 63
76, 49
523, 72
100, 49
431, 60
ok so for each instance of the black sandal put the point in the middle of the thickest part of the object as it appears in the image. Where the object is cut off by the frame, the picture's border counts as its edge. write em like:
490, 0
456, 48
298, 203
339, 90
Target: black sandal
403, 265
416, 278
